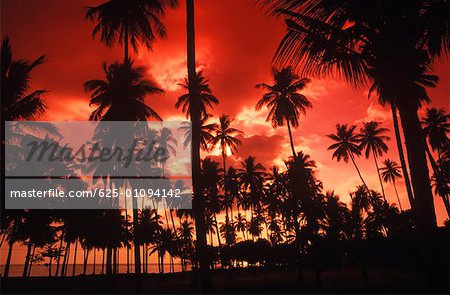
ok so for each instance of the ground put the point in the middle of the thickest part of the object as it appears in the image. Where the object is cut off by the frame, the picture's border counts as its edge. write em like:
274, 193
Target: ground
349, 280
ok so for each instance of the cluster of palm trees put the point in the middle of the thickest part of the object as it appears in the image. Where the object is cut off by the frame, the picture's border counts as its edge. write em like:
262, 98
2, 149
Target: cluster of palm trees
288, 203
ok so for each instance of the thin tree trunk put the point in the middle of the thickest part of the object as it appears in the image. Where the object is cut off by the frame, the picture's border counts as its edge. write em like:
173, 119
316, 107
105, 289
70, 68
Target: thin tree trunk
402, 156
8, 260
398, 198
103, 261
416, 150
198, 203
85, 261
379, 177
75, 258
66, 255
50, 267
359, 172
59, 253
27, 260
93, 266
31, 262
291, 139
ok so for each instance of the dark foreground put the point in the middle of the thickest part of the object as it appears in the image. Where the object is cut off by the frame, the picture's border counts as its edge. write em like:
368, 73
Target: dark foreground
349, 280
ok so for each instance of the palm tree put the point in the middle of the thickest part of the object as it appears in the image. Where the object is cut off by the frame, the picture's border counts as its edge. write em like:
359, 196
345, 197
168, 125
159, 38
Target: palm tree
241, 224
136, 22
390, 172
166, 242
251, 177
18, 103
372, 141
201, 90
195, 113
336, 215
436, 127
346, 146
283, 100
225, 138
356, 42
121, 96
205, 132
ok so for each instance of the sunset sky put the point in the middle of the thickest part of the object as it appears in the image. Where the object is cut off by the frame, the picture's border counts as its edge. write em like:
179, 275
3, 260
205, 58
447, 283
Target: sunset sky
235, 45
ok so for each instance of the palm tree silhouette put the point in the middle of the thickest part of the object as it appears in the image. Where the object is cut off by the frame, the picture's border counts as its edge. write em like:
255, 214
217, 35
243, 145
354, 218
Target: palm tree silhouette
241, 224
18, 103
436, 127
136, 22
121, 96
346, 146
197, 110
372, 141
251, 177
225, 137
202, 91
362, 53
205, 132
283, 100
390, 172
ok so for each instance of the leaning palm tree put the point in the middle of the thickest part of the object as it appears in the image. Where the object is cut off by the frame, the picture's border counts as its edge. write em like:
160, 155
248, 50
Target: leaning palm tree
121, 96
390, 172
284, 101
385, 43
346, 146
436, 126
18, 103
225, 137
136, 22
372, 141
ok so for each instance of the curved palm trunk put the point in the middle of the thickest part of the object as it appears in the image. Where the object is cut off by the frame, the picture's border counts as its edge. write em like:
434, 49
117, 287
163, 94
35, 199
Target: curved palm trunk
359, 172
8, 260
398, 198
27, 260
294, 154
379, 177
416, 151
198, 204
402, 156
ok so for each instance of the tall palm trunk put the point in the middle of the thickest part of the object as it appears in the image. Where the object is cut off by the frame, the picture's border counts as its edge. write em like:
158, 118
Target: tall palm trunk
379, 177
75, 258
8, 259
59, 251
415, 146
359, 173
402, 156
224, 156
66, 255
31, 262
291, 139
398, 198
198, 203
27, 259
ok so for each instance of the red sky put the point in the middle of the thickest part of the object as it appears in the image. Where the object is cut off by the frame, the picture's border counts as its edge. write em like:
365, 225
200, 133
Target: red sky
235, 44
